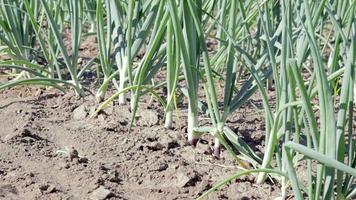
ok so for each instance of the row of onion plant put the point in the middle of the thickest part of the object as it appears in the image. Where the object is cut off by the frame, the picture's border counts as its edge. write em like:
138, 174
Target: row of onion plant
311, 119
303, 50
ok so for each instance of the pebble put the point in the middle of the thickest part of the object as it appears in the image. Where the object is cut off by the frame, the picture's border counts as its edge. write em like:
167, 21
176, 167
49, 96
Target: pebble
182, 179
80, 113
162, 167
100, 194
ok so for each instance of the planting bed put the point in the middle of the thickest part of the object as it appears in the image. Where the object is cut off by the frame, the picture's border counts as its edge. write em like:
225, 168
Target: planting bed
52, 149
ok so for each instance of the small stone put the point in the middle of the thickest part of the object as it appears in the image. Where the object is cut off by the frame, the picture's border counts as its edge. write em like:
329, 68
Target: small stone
185, 178
80, 113
182, 179
100, 194
162, 167
51, 189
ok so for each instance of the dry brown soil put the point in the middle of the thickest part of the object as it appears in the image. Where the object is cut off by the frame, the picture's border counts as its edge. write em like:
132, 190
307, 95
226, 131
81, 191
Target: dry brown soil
52, 149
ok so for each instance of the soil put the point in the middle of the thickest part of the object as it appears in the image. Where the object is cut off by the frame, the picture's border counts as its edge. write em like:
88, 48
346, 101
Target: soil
51, 148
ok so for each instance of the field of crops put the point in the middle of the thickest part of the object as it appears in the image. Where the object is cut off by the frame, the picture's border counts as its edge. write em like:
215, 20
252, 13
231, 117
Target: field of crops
170, 99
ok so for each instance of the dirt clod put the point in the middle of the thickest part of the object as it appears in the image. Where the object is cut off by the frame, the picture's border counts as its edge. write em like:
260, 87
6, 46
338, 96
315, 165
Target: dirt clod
186, 178
80, 113
182, 179
101, 193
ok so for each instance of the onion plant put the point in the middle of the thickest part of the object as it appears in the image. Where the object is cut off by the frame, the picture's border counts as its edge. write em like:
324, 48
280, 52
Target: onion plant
33, 16
19, 37
105, 43
172, 73
75, 16
132, 23
189, 48
90, 13
17, 32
